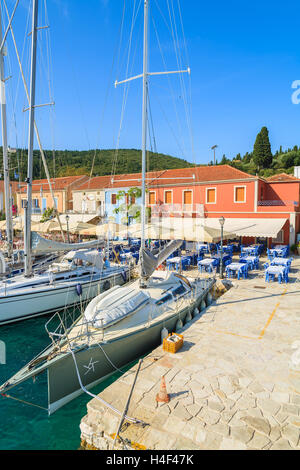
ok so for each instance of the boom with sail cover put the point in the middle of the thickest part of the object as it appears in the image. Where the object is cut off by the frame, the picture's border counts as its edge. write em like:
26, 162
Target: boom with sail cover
42, 245
151, 261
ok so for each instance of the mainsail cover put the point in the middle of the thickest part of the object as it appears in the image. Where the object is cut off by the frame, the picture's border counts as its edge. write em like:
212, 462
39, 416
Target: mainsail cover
151, 261
2, 264
42, 245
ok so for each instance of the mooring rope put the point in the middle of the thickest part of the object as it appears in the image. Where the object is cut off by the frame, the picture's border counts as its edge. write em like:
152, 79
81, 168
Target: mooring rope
5, 395
131, 420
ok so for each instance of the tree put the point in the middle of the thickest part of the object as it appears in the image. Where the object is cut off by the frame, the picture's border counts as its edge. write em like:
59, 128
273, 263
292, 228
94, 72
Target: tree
247, 157
262, 154
48, 214
129, 208
288, 160
224, 160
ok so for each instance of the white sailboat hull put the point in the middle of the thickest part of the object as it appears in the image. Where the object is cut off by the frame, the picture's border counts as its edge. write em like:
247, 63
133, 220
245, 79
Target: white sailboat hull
39, 301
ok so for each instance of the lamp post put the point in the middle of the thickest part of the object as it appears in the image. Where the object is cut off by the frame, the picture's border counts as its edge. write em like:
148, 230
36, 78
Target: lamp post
222, 222
68, 233
214, 149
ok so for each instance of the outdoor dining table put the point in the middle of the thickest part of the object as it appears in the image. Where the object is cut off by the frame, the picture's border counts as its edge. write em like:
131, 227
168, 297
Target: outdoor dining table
125, 256
202, 247
208, 264
184, 261
280, 271
240, 269
282, 262
227, 249
226, 257
278, 252
252, 261
250, 250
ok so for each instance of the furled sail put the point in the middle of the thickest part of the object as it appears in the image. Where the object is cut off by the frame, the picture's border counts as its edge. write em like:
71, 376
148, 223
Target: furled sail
2, 264
42, 245
151, 261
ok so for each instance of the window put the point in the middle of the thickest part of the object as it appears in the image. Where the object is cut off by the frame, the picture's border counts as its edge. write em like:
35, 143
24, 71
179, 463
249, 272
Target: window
187, 197
36, 203
23, 203
114, 199
168, 197
152, 198
211, 196
240, 194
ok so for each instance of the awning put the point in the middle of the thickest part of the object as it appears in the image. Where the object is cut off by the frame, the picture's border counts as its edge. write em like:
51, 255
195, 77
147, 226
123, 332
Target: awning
183, 229
267, 228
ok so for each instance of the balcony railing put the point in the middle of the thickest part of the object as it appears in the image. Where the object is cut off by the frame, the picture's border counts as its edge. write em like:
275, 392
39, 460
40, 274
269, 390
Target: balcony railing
36, 211
177, 209
277, 203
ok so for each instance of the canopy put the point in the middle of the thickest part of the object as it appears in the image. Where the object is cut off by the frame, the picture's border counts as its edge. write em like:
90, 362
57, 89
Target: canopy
78, 227
92, 230
17, 224
266, 228
152, 231
111, 228
180, 229
47, 227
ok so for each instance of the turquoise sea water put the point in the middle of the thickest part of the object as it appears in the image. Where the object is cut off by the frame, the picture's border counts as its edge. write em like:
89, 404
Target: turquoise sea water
24, 427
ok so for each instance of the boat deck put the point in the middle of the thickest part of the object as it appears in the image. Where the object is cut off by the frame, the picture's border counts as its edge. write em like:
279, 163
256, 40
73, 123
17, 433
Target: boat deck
144, 317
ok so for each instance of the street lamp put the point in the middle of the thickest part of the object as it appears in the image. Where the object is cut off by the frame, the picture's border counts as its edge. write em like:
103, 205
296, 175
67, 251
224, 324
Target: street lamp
222, 222
214, 149
68, 233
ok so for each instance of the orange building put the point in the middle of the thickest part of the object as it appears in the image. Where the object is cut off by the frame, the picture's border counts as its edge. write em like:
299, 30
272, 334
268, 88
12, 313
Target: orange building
256, 206
41, 196
252, 206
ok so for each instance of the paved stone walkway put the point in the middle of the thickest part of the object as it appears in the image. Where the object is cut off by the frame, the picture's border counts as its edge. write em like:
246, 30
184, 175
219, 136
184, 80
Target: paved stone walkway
234, 385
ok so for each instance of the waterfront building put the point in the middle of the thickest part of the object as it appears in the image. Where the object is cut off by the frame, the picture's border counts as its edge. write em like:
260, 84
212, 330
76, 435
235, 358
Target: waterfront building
63, 188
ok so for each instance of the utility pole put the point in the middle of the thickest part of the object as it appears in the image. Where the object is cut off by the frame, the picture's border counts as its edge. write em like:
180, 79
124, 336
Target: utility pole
214, 149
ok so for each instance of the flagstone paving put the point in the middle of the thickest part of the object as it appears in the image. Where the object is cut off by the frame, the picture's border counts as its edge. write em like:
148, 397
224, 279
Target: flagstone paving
235, 384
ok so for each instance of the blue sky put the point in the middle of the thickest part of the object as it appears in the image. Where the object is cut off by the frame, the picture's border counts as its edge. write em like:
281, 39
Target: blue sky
244, 57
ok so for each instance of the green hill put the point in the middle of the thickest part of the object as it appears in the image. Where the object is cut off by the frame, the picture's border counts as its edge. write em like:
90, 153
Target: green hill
72, 162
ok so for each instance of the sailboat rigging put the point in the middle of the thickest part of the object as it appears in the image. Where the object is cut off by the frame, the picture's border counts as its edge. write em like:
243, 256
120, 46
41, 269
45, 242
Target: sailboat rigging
72, 279
123, 323
8, 207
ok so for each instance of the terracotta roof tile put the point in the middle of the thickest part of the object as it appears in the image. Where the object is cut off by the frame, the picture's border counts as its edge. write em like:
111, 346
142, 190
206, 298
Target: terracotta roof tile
57, 183
282, 177
14, 186
164, 177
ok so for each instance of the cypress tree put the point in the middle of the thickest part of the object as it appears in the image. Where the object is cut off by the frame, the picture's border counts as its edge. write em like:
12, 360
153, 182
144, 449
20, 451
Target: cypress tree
262, 154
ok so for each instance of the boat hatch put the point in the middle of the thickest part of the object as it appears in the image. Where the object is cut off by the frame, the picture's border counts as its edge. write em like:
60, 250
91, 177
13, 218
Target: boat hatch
165, 299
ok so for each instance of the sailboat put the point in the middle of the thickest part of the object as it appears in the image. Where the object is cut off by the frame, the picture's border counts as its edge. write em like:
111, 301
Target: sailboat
123, 323
78, 277
12, 261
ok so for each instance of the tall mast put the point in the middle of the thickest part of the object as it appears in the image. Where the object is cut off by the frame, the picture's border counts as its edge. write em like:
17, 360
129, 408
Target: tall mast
28, 208
144, 127
8, 207
145, 76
